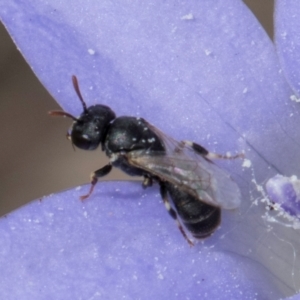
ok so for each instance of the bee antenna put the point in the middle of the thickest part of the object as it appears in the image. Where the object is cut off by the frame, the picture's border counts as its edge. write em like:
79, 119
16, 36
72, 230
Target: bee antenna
62, 114
77, 90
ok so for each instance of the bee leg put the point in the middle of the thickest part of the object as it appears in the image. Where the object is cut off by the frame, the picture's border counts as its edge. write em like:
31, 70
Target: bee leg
147, 182
196, 147
209, 155
94, 179
172, 212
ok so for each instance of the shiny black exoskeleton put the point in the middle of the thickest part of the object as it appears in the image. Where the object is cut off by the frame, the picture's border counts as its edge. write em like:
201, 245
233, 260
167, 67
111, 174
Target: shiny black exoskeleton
126, 134
121, 136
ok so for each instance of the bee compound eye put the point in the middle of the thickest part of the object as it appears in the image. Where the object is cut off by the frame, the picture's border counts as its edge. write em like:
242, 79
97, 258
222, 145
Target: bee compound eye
84, 141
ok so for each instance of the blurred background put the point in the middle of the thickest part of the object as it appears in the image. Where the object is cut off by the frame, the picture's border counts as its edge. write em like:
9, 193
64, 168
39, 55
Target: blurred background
35, 157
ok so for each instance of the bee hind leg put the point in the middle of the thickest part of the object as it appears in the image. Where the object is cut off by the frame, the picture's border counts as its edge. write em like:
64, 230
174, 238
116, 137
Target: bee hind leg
147, 181
209, 155
172, 212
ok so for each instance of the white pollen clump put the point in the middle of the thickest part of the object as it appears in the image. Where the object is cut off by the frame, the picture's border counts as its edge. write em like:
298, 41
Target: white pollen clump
207, 52
293, 178
189, 16
296, 185
246, 163
91, 51
294, 98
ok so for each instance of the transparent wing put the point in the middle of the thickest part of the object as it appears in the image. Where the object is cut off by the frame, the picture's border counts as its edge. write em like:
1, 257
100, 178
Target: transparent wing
190, 171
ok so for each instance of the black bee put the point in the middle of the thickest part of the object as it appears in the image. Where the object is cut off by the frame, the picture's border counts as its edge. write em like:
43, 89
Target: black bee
184, 170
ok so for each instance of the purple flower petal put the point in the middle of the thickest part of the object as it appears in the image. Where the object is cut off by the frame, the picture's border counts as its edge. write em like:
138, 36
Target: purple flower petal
288, 41
296, 297
283, 190
115, 246
201, 71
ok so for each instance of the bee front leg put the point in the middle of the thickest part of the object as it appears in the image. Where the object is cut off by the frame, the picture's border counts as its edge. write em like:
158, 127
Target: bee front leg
94, 179
172, 212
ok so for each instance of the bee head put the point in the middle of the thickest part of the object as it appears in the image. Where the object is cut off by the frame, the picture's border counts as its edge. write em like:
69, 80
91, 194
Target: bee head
89, 129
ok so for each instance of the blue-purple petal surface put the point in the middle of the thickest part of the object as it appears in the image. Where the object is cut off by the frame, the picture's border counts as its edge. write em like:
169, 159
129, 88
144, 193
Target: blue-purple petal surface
287, 39
115, 246
200, 71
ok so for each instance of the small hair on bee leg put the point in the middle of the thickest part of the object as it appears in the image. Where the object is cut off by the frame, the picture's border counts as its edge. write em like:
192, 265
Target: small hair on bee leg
94, 179
172, 212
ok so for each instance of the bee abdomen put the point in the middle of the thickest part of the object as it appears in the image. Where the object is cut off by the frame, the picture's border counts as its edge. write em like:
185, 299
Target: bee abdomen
203, 227
199, 218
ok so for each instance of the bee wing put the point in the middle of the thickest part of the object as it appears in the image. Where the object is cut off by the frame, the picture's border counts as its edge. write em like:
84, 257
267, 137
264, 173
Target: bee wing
190, 171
